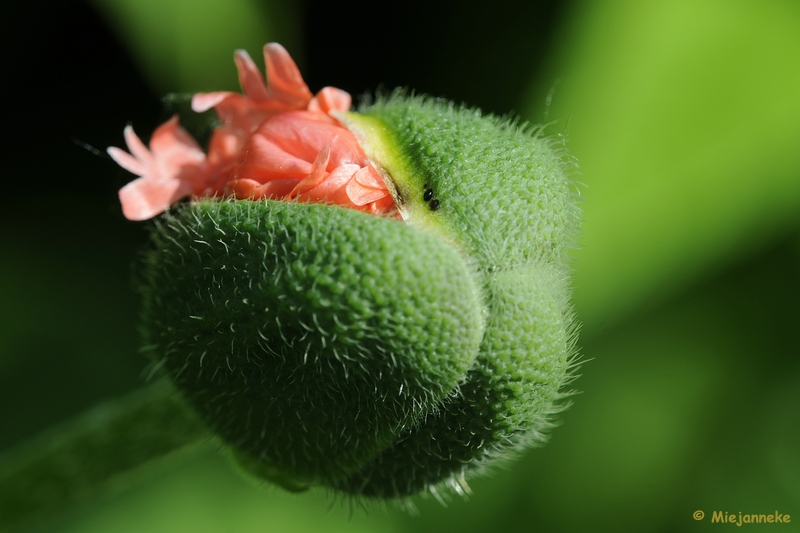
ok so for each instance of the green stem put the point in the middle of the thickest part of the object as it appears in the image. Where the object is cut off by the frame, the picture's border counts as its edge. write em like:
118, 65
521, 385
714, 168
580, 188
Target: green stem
48, 475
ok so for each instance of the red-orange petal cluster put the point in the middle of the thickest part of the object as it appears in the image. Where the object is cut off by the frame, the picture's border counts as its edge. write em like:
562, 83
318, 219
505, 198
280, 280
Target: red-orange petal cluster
276, 140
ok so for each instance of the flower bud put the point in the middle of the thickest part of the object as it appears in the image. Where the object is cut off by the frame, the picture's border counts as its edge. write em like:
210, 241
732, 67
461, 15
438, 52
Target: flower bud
376, 302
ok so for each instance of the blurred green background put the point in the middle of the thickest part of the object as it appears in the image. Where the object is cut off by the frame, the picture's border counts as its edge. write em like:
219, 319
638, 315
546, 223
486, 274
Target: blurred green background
684, 117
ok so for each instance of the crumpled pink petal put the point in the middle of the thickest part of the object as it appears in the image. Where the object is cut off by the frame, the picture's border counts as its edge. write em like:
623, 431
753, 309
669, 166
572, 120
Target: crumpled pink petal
202, 102
365, 187
250, 78
332, 189
265, 160
317, 174
330, 99
276, 140
340, 172
303, 134
286, 89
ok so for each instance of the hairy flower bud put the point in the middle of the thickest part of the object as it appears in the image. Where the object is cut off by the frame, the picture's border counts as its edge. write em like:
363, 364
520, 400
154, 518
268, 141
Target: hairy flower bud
376, 302
308, 336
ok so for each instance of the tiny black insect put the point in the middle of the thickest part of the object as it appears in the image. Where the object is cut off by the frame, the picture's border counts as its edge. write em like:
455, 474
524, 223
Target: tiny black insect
434, 205
428, 195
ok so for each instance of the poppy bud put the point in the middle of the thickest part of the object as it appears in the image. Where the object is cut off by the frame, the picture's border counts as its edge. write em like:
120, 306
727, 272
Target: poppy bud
372, 301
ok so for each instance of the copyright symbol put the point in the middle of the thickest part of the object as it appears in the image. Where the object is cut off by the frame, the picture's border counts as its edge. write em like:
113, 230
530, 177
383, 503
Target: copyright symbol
698, 515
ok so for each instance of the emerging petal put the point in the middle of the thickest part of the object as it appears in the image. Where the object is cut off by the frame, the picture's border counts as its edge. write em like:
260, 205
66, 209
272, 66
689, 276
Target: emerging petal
244, 189
303, 134
127, 161
330, 99
331, 190
174, 148
324, 158
145, 198
285, 91
202, 102
285, 81
249, 77
265, 160
172, 168
276, 140
317, 174
365, 187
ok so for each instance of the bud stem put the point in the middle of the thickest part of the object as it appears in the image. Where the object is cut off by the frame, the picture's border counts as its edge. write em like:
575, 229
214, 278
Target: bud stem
49, 474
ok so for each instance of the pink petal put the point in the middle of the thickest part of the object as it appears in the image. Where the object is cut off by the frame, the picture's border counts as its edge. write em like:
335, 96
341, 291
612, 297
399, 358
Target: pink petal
276, 188
331, 99
126, 160
242, 188
137, 147
284, 78
369, 177
384, 206
204, 101
173, 146
360, 194
249, 77
264, 160
249, 189
340, 197
345, 150
145, 198
326, 191
317, 175
303, 134
225, 145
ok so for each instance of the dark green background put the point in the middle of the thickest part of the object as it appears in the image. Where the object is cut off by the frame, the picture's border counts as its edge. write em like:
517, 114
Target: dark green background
684, 117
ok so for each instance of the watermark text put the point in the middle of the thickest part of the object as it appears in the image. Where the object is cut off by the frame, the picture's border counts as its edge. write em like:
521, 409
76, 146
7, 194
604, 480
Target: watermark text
740, 518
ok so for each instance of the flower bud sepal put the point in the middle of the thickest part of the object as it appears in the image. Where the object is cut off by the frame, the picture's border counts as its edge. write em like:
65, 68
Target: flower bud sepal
307, 336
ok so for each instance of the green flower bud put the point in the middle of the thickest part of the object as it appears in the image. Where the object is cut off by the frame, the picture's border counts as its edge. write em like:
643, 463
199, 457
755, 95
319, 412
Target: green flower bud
326, 346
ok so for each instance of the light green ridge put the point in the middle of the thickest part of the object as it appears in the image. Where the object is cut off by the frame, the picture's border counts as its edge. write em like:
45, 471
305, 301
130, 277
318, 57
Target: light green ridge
403, 178
502, 191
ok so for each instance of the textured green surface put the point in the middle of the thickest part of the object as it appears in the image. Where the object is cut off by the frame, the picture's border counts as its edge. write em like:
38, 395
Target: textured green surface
308, 336
503, 197
504, 202
505, 403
